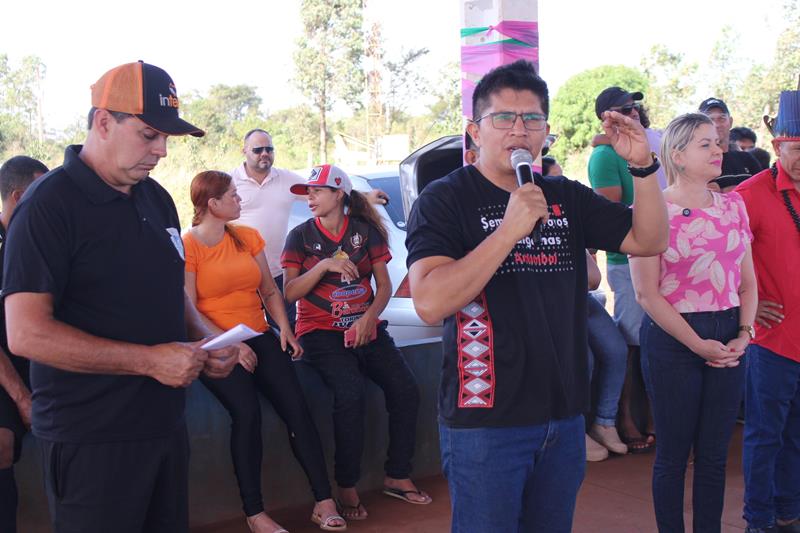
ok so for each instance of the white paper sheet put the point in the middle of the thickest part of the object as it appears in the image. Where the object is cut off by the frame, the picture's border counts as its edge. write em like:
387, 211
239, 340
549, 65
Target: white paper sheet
232, 336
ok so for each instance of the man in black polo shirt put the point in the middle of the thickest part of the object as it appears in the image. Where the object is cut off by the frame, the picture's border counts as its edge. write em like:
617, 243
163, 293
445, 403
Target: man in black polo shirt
94, 297
16, 175
515, 380
737, 165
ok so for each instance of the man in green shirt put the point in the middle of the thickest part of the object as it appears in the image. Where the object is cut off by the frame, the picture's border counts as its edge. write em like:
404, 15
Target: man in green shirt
609, 176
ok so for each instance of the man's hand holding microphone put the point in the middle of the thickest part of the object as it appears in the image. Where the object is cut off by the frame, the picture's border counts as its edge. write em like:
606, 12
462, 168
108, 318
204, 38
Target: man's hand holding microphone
527, 208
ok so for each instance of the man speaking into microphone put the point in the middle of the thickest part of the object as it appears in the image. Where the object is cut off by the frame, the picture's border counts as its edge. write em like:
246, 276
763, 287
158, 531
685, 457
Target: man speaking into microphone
515, 375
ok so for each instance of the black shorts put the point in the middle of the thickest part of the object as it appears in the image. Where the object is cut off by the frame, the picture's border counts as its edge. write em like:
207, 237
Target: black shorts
9, 414
125, 487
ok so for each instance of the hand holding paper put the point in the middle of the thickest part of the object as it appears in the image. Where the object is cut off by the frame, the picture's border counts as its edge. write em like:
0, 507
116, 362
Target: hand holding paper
239, 333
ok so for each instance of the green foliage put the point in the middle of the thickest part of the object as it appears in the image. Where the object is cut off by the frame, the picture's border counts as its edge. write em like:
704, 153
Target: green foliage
725, 67
445, 115
671, 82
328, 58
21, 120
572, 115
406, 84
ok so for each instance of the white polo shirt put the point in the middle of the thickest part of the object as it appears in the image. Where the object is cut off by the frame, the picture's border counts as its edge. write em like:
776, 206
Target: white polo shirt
266, 207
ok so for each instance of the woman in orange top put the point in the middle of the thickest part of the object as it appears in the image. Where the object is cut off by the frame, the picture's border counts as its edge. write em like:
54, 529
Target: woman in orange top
225, 266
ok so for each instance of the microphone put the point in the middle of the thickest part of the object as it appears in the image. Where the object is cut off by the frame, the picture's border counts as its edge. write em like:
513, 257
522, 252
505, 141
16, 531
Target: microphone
522, 161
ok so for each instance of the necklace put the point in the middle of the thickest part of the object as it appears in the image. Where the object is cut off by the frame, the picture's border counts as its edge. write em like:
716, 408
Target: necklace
786, 199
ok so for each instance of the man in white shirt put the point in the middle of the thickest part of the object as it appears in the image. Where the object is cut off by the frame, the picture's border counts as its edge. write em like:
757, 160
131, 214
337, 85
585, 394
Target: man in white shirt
266, 200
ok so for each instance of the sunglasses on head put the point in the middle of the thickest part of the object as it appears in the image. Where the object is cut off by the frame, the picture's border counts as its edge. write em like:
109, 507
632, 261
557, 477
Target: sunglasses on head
258, 149
627, 109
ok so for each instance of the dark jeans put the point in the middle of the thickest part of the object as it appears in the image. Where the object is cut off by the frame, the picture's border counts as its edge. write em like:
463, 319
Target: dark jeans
291, 309
694, 407
10, 420
343, 371
514, 479
607, 350
126, 487
275, 378
771, 454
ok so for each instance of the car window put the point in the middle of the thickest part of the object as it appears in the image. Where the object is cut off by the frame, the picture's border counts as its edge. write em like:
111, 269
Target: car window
299, 214
394, 208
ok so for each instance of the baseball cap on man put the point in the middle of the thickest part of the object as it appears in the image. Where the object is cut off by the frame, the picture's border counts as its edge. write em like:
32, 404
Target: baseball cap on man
145, 91
613, 97
710, 103
324, 176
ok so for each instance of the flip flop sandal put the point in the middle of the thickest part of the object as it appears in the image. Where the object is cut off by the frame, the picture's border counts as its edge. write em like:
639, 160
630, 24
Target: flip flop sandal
403, 495
355, 510
638, 445
325, 524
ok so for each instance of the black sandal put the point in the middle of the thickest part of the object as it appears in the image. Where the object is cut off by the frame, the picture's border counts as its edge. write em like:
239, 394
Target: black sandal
356, 511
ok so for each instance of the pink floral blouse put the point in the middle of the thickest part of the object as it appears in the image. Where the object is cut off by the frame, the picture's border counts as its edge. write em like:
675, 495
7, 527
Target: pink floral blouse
701, 268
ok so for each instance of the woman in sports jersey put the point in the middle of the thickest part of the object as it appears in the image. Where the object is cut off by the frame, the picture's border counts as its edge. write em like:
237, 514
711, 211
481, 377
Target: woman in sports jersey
328, 263
225, 267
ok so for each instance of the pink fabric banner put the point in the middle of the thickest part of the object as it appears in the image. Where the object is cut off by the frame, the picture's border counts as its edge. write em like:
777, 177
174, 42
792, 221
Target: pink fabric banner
527, 32
478, 59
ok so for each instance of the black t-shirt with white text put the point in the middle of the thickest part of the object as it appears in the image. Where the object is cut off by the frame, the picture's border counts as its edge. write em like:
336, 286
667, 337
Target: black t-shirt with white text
516, 355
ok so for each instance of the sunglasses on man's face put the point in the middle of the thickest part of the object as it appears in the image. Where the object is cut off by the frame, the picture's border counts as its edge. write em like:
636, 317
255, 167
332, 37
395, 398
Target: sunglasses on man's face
627, 109
258, 149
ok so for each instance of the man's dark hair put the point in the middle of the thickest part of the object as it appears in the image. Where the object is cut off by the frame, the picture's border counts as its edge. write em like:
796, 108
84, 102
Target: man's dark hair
255, 130
19, 172
737, 134
519, 76
469, 144
762, 156
643, 118
118, 116
547, 162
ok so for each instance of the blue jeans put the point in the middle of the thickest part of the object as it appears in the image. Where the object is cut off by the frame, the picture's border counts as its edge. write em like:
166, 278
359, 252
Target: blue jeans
771, 454
694, 407
627, 311
608, 348
516, 479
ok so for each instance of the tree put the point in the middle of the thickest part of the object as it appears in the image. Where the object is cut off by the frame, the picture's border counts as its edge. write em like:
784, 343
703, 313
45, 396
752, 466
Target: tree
725, 66
572, 114
406, 84
21, 118
328, 58
445, 115
671, 83
760, 91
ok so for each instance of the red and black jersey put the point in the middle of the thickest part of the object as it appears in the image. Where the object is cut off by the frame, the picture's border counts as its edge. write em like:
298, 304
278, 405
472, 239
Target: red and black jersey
332, 304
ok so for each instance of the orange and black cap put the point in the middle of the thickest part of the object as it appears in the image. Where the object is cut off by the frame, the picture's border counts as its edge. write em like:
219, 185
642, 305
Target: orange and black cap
146, 92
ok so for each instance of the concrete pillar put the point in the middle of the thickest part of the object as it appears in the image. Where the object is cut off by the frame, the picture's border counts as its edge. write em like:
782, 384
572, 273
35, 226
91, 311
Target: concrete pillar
494, 33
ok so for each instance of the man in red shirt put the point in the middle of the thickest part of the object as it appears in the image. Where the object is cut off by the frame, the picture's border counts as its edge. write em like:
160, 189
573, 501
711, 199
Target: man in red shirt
772, 418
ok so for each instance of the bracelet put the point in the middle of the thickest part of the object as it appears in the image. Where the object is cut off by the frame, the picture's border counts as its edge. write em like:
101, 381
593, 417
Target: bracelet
641, 172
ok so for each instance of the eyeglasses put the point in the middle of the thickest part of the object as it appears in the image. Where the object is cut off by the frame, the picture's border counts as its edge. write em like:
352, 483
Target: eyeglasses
505, 120
627, 109
258, 149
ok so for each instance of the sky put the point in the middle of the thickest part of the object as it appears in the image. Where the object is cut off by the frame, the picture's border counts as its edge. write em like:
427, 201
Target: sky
246, 42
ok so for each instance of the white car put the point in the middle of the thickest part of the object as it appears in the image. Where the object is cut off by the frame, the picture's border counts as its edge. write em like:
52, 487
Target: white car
404, 323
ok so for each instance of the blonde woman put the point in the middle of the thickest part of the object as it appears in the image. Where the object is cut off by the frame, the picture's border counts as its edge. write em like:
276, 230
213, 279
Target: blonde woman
700, 301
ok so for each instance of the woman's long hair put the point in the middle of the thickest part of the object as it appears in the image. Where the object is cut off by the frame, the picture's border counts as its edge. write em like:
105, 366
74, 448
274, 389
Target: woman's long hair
361, 208
676, 137
205, 186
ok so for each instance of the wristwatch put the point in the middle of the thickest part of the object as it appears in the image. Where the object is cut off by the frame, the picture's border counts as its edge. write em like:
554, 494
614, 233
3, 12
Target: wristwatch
642, 172
750, 331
